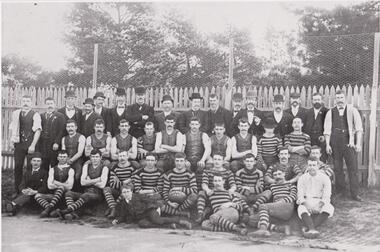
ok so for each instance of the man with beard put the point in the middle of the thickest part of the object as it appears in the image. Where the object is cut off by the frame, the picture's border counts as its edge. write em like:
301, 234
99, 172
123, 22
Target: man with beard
343, 125
53, 127
99, 99
295, 109
74, 144
25, 130
139, 113
168, 143
70, 111
196, 100
99, 141
313, 126
282, 118
237, 113
117, 113
218, 114
89, 118
167, 107
124, 142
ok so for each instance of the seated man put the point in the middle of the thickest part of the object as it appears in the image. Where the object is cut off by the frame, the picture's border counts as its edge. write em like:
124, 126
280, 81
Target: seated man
168, 143
250, 181
292, 171
33, 182
99, 141
220, 143
60, 180
316, 152
284, 196
147, 180
269, 144
146, 143
298, 143
94, 179
226, 209
121, 174
124, 142
314, 192
242, 144
208, 185
197, 148
180, 188
133, 207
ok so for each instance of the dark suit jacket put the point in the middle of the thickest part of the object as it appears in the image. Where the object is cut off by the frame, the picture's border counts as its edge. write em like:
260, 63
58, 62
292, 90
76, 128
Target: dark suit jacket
88, 125
114, 119
187, 115
105, 116
284, 127
254, 129
134, 114
159, 121
53, 128
314, 126
221, 115
36, 181
235, 122
77, 117
301, 113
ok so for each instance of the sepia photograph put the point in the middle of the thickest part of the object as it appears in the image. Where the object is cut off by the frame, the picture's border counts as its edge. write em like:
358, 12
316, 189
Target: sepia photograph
190, 126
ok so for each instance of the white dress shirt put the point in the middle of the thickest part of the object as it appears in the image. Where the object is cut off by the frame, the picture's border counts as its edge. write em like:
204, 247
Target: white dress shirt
70, 113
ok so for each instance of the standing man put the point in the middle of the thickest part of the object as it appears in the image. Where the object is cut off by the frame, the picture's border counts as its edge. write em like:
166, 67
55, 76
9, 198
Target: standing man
99, 99
25, 130
295, 109
314, 124
139, 113
89, 118
254, 115
70, 111
167, 107
218, 114
237, 113
342, 125
53, 127
196, 100
117, 113
283, 119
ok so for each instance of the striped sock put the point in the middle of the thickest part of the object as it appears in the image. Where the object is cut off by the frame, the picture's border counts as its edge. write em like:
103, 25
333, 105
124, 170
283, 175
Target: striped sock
42, 202
78, 204
216, 228
57, 196
226, 224
186, 204
260, 201
109, 197
201, 204
169, 210
263, 219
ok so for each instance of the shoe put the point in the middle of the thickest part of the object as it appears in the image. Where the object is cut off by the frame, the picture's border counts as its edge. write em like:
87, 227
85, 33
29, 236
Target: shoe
186, 224
45, 213
54, 213
288, 230
12, 209
112, 214
69, 217
357, 198
311, 234
173, 226
284, 229
185, 214
241, 230
200, 217
107, 212
262, 233
63, 213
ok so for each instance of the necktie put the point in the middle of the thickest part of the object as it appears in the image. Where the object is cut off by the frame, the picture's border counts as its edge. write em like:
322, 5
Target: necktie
23, 113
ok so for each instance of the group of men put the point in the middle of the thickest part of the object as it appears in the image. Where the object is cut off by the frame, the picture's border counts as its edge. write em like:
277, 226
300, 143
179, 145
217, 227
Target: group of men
236, 168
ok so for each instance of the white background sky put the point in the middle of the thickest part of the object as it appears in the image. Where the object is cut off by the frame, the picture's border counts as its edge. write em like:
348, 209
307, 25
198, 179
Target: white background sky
35, 31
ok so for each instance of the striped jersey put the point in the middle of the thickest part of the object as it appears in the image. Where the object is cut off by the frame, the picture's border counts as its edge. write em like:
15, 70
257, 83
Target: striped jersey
296, 139
291, 170
208, 178
220, 197
287, 192
268, 146
147, 180
249, 178
185, 179
119, 174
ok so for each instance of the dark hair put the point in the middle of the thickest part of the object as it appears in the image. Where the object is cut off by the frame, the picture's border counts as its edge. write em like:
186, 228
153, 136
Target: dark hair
194, 118
317, 93
170, 117
149, 123
127, 186
72, 121
219, 124
49, 99
151, 154
95, 152
180, 155
27, 96
243, 120
313, 159
316, 147
340, 92
283, 148
297, 117
213, 96
249, 155
276, 168
122, 121
62, 152
99, 122
218, 154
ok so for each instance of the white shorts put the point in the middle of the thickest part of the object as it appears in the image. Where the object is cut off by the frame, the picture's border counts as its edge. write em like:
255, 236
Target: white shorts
311, 206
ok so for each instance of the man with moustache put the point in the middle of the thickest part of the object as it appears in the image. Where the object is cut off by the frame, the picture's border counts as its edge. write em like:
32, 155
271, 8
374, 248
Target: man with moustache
99, 141
218, 114
254, 115
25, 130
53, 127
295, 109
70, 111
196, 100
343, 125
167, 109
89, 118
237, 113
117, 113
314, 120
99, 99
139, 113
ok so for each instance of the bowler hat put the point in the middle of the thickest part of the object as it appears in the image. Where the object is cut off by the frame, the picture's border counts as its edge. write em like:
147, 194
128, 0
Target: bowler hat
140, 90
120, 91
237, 97
36, 155
251, 95
167, 98
295, 95
70, 93
88, 101
278, 98
195, 96
99, 94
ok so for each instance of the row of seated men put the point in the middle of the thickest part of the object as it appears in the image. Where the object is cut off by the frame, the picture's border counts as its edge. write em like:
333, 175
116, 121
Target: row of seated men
260, 186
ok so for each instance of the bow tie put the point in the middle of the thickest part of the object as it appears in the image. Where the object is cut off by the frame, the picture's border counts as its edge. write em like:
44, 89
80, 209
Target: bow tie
341, 108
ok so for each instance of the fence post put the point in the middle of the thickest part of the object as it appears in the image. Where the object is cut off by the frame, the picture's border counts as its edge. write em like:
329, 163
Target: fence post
372, 130
95, 67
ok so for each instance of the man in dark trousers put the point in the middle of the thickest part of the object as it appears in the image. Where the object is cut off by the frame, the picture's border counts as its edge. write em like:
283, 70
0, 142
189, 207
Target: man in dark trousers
167, 109
295, 109
196, 100
139, 113
237, 113
343, 130
99, 99
117, 113
53, 127
283, 119
314, 124
34, 181
25, 130
70, 111
218, 114
89, 118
